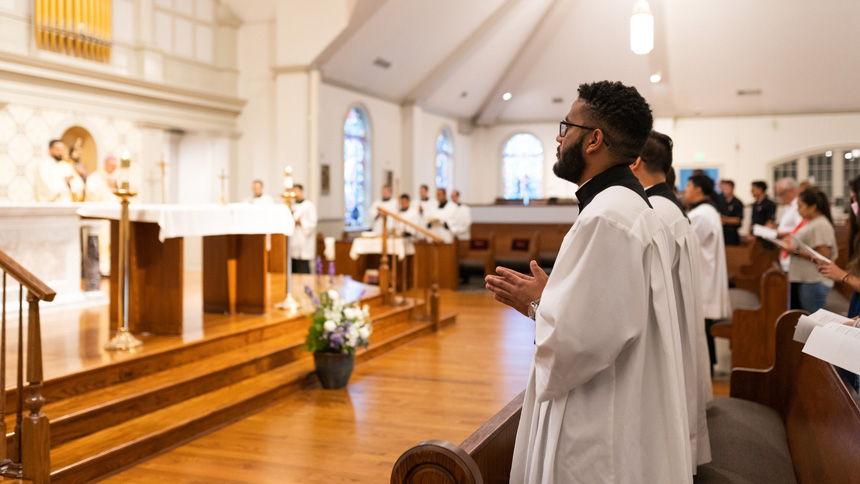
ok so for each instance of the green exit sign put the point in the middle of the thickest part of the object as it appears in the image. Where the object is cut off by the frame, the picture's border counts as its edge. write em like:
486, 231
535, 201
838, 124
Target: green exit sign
700, 157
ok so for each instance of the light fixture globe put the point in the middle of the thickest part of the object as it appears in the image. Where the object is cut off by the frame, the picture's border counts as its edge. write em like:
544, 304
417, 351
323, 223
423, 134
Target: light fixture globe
641, 28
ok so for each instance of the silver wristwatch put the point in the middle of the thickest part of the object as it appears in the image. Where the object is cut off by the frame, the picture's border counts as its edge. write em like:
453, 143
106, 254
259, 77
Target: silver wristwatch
533, 307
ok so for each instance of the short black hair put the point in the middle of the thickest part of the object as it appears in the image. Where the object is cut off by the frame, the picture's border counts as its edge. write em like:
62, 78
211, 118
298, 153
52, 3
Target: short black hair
761, 184
704, 182
657, 153
53, 142
406, 196
728, 182
299, 186
621, 113
424, 187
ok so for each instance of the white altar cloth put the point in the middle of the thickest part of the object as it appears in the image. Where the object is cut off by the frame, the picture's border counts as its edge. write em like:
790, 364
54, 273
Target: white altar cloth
373, 245
191, 220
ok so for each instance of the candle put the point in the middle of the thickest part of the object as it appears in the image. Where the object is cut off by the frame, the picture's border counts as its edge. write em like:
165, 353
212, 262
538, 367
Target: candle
288, 178
124, 169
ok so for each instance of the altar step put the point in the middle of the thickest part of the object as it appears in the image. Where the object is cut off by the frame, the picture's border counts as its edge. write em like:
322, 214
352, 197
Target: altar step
134, 413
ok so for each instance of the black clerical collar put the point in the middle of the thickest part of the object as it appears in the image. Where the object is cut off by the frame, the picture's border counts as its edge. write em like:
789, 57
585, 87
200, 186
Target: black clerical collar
386, 199
618, 175
705, 201
442, 205
665, 191
300, 201
425, 199
404, 209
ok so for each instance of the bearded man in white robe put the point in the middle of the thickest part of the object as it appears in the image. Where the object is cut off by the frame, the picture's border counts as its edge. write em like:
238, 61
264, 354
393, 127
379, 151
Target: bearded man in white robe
654, 162
56, 179
707, 223
605, 399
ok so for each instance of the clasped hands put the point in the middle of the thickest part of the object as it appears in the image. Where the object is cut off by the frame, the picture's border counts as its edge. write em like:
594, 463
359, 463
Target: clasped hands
517, 290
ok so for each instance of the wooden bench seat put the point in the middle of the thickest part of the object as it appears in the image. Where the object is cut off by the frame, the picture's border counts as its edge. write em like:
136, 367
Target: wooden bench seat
794, 422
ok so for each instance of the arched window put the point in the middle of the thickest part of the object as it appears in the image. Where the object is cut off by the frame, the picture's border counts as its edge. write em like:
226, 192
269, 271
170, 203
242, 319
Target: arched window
444, 159
522, 167
356, 166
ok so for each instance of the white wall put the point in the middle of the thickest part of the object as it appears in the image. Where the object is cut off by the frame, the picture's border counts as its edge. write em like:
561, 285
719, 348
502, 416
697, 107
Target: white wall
426, 128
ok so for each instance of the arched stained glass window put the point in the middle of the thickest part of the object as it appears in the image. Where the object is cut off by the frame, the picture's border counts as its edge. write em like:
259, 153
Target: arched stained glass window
522, 167
356, 166
444, 159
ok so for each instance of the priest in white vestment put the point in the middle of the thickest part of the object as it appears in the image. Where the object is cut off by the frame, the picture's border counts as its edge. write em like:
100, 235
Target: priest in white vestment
426, 204
651, 169
386, 202
460, 223
708, 225
604, 402
410, 213
258, 197
56, 179
100, 186
438, 218
304, 239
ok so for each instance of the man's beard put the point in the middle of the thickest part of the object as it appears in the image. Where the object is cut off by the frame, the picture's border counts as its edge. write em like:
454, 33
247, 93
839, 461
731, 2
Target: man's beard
571, 164
58, 158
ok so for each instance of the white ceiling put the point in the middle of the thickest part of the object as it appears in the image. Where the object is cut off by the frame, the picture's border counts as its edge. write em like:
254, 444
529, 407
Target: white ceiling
804, 56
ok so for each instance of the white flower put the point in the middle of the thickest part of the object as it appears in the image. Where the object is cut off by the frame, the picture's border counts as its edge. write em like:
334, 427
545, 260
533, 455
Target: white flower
333, 295
366, 311
329, 326
364, 332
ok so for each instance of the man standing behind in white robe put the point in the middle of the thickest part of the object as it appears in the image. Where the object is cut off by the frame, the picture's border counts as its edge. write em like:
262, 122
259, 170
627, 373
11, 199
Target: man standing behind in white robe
386, 202
460, 223
437, 219
410, 213
56, 180
304, 244
425, 204
604, 401
651, 168
708, 225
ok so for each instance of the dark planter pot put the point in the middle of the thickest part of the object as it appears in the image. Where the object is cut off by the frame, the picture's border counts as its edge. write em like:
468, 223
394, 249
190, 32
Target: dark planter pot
333, 369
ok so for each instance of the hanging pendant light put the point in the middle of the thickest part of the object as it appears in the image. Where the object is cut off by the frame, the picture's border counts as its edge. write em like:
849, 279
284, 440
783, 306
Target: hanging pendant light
641, 28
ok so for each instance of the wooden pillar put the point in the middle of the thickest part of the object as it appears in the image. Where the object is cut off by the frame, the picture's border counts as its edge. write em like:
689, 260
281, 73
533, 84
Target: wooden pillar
383, 263
36, 435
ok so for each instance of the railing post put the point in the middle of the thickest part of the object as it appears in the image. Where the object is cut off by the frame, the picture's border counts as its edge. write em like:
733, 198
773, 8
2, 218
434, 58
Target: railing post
36, 435
434, 297
383, 263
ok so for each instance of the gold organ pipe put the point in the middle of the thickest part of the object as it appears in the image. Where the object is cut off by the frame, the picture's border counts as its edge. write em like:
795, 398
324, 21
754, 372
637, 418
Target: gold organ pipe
51, 24
77, 20
91, 17
109, 29
69, 30
37, 23
96, 29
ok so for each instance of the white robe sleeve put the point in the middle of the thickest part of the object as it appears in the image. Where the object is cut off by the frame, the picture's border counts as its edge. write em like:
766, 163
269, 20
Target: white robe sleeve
49, 184
461, 222
595, 310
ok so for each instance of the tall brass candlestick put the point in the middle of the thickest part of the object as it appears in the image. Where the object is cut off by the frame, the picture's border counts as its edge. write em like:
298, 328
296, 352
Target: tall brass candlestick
289, 303
123, 340
223, 177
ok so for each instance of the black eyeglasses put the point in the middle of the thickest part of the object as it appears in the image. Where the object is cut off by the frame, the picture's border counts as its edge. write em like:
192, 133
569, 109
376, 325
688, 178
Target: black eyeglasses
564, 125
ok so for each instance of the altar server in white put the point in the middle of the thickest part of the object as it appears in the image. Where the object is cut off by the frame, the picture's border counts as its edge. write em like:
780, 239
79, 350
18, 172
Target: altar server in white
460, 223
438, 218
386, 202
410, 213
304, 243
56, 179
100, 187
425, 204
651, 169
708, 225
604, 402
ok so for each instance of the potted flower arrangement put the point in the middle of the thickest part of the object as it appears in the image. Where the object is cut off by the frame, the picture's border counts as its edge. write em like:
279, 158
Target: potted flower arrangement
337, 329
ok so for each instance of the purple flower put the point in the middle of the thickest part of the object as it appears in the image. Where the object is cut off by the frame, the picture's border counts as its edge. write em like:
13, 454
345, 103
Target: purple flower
309, 291
336, 340
319, 266
331, 268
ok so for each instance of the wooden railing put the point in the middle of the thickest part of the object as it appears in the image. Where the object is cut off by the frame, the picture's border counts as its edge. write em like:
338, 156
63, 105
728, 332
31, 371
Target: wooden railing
32, 432
388, 284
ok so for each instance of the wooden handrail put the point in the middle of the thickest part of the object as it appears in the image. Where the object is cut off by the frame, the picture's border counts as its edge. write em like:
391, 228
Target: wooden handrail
423, 231
26, 278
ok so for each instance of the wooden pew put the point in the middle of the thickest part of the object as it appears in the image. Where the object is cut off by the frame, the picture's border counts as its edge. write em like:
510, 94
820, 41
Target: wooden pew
818, 411
517, 249
751, 331
483, 458
747, 262
477, 252
550, 236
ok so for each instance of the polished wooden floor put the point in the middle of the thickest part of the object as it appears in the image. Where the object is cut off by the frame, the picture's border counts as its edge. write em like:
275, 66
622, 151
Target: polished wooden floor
440, 387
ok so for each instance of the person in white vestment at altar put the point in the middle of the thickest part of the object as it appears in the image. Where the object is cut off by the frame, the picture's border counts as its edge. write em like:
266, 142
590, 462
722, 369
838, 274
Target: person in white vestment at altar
386, 202
56, 179
304, 243
707, 223
425, 203
605, 399
258, 197
651, 168
99, 188
411, 214
460, 223
438, 218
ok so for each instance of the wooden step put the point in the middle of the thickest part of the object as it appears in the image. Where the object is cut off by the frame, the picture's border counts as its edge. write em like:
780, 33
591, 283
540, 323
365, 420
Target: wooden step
130, 441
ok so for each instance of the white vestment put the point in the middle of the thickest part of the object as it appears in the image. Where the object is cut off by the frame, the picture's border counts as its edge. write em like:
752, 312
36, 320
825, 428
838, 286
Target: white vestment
604, 402
50, 182
694, 346
100, 190
708, 226
304, 243
460, 223
426, 207
411, 215
391, 204
787, 223
439, 218
263, 199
